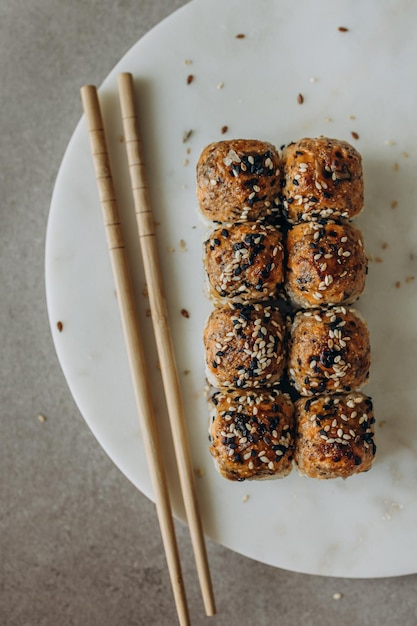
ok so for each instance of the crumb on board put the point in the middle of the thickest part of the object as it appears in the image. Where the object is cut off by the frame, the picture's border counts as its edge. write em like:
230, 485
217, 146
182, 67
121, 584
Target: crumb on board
170, 249
352, 117
381, 423
183, 245
145, 292
199, 472
185, 313
224, 129
190, 79
410, 279
354, 135
60, 326
188, 61
398, 284
396, 167
313, 79
384, 245
389, 142
186, 372
220, 85
378, 259
41, 418
394, 204
121, 138
245, 498
337, 596
148, 313
328, 119
188, 151
240, 36
300, 98
186, 162
343, 29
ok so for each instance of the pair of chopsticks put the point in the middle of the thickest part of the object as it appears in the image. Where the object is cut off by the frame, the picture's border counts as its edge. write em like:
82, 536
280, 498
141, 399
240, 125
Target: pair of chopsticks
132, 335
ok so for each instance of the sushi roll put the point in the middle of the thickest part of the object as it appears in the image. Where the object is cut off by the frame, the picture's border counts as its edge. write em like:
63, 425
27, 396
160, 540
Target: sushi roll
329, 351
252, 433
334, 435
326, 264
239, 180
244, 263
244, 346
322, 178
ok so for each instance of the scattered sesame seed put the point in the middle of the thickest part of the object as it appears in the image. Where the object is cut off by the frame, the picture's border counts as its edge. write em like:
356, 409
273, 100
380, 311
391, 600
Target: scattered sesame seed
41, 418
60, 326
187, 134
224, 129
337, 596
185, 313
354, 135
343, 29
300, 98
190, 78
240, 36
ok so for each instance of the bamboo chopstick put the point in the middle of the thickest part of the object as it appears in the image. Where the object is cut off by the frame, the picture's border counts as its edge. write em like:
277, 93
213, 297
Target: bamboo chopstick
163, 334
133, 341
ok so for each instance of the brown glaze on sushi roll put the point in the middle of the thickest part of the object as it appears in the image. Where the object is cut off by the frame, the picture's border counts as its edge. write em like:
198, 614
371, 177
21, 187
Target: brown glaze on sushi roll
323, 178
244, 263
244, 346
252, 433
329, 351
326, 264
334, 435
239, 180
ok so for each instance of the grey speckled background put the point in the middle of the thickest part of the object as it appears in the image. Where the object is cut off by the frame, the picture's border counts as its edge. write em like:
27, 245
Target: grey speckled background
79, 545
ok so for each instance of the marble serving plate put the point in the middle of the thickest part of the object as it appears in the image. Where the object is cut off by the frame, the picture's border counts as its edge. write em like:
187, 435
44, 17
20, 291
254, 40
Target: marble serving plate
358, 83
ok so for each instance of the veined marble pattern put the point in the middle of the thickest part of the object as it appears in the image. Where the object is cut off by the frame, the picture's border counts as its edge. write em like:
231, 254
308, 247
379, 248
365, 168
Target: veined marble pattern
360, 81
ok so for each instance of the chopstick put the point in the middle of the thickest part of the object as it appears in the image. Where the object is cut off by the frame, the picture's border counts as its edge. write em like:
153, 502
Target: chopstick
163, 335
133, 340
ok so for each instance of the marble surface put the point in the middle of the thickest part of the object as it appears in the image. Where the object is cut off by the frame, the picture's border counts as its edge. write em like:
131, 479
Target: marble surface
79, 543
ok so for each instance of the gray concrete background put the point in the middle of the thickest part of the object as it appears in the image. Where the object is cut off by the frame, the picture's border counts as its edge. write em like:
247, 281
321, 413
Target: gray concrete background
79, 545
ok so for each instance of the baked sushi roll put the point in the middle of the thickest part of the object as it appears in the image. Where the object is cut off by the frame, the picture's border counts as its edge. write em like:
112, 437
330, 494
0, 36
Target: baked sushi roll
334, 435
252, 433
244, 263
329, 351
244, 346
326, 264
323, 178
239, 180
